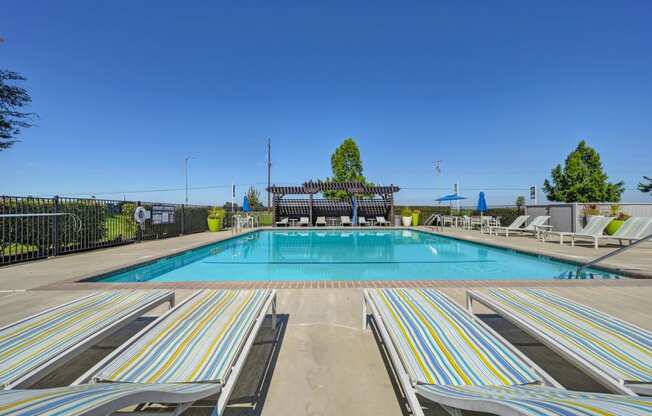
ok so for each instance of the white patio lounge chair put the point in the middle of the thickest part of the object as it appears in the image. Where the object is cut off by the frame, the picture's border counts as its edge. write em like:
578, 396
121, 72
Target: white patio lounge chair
634, 228
614, 352
320, 222
381, 221
362, 221
442, 353
535, 226
304, 222
345, 220
283, 222
593, 230
33, 347
514, 226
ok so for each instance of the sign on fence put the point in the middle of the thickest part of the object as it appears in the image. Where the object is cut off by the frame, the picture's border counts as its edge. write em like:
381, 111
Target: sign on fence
163, 214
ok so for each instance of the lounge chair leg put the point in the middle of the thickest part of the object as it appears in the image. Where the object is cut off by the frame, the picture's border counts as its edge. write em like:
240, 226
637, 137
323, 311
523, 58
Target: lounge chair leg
274, 312
469, 302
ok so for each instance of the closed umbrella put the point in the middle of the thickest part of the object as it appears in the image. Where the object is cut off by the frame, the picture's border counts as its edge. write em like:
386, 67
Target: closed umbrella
482, 207
245, 205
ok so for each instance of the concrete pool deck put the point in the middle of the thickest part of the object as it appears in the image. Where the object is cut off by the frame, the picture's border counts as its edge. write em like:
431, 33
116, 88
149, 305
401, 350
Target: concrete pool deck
320, 361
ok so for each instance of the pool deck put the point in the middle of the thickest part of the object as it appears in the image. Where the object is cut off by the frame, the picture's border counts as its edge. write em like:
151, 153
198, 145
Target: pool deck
323, 362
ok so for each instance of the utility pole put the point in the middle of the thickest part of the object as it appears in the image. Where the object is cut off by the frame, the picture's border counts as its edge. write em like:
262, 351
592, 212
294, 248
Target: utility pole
269, 173
187, 159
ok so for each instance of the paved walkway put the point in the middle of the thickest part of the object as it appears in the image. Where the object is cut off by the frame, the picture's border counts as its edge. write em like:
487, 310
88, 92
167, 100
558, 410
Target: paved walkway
321, 361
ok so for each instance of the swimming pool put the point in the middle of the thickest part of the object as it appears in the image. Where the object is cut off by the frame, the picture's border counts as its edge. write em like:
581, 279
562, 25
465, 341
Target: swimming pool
346, 255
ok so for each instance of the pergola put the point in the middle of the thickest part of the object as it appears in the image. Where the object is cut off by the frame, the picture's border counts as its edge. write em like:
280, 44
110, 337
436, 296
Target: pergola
369, 200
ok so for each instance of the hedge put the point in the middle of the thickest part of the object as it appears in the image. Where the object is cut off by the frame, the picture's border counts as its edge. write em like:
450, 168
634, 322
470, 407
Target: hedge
507, 215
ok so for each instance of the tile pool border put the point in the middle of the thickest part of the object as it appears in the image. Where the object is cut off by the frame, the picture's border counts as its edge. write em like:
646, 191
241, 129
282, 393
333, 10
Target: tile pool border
92, 280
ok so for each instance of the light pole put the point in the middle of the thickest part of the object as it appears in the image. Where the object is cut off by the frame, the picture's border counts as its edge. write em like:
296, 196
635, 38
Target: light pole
188, 159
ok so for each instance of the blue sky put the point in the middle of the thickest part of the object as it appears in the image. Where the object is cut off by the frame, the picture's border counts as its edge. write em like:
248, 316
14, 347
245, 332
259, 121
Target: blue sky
500, 91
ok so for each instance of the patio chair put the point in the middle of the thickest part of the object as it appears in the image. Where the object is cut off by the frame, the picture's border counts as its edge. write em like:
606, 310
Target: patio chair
614, 352
283, 222
381, 221
593, 230
345, 220
535, 226
362, 221
204, 341
32, 347
634, 228
514, 226
320, 222
443, 353
304, 222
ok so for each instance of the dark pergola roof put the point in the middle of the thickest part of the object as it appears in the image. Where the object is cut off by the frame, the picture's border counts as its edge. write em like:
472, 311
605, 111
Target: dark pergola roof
315, 187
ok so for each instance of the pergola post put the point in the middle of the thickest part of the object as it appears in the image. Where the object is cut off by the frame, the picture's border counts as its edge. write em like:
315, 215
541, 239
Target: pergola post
310, 207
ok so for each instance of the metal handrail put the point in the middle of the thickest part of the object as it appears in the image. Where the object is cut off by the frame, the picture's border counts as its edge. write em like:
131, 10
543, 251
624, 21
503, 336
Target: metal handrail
613, 253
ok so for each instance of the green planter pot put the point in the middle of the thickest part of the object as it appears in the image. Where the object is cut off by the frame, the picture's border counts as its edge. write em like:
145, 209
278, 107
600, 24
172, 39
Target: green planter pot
214, 225
613, 226
415, 218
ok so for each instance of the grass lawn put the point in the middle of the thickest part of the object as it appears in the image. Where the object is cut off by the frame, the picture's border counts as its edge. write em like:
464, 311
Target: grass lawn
120, 225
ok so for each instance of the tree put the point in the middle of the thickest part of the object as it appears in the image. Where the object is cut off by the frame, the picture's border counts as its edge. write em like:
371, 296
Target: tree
253, 195
346, 165
520, 201
645, 187
12, 99
582, 179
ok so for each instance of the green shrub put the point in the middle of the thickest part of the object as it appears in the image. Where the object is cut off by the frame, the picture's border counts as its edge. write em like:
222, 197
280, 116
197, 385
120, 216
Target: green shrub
406, 212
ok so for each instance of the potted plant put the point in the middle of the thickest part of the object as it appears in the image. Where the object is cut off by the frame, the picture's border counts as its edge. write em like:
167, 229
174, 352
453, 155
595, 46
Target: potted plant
406, 213
617, 222
215, 217
415, 216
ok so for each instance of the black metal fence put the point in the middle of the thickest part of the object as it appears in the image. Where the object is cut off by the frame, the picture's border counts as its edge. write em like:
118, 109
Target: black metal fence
33, 228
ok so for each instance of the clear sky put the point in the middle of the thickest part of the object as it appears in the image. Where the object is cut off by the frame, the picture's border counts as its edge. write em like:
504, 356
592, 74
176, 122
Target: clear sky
500, 91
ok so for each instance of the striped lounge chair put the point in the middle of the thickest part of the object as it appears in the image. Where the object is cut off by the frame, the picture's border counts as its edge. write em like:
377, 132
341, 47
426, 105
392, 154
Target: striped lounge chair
33, 347
614, 352
195, 351
442, 353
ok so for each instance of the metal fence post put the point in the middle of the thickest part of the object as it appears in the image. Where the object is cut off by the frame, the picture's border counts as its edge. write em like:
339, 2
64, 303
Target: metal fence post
183, 219
55, 226
139, 235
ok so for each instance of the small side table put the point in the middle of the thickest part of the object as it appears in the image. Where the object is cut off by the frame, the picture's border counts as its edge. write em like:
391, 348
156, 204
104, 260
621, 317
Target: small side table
293, 222
543, 231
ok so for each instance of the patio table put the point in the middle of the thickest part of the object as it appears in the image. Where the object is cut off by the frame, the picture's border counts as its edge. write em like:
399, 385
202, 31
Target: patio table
293, 222
332, 222
543, 231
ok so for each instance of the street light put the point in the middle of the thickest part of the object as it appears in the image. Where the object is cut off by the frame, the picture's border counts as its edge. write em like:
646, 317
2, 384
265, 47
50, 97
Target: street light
188, 159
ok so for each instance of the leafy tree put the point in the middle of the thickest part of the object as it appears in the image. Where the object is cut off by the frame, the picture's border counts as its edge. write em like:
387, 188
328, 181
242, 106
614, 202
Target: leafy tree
582, 179
520, 201
346, 165
645, 187
12, 99
253, 195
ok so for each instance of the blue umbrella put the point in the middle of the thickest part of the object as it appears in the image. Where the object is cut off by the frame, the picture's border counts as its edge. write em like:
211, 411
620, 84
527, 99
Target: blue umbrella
245, 204
451, 197
482, 203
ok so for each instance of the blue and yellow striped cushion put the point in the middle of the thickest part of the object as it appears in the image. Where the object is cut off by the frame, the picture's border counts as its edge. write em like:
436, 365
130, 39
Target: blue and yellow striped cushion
440, 343
536, 401
619, 347
29, 344
198, 342
101, 398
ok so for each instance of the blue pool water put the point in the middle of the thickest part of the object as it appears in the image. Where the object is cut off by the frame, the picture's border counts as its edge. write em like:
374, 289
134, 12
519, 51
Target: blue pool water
346, 255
